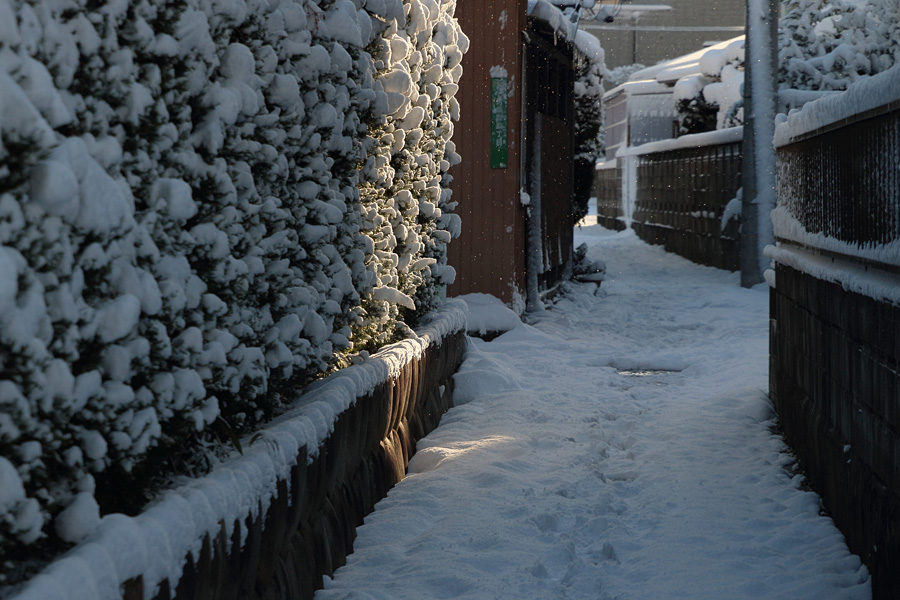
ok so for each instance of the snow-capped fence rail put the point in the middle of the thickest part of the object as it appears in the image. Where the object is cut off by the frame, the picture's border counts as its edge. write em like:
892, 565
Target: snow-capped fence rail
835, 348
680, 193
270, 523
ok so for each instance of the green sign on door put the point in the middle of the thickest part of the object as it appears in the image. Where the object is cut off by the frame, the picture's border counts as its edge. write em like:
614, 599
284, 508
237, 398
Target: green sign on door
499, 95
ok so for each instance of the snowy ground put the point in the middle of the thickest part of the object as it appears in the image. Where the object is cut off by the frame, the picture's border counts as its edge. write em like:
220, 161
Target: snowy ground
617, 447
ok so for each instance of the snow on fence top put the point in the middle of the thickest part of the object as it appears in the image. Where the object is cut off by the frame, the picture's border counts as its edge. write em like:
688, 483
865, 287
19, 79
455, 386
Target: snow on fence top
696, 140
852, 276
607, 164
156, 542
860, 97
789, 228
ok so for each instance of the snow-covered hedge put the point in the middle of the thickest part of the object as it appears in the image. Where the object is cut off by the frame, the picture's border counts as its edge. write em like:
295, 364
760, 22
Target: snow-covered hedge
203, 205
590, 69
406, 201
827, 46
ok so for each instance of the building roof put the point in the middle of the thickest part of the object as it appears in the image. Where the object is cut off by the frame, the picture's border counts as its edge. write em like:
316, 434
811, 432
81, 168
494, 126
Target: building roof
660, 78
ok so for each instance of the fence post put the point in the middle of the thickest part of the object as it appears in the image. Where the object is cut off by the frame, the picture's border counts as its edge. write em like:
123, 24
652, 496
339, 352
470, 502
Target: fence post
629, 188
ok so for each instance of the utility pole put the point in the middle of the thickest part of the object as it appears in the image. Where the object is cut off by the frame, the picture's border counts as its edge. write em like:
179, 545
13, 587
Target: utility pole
758, 162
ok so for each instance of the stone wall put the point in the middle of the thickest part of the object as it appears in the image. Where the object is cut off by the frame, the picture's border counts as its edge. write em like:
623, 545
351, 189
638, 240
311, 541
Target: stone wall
309, 527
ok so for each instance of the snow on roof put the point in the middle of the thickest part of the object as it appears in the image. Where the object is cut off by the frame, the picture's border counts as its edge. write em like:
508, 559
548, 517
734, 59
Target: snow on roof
643, 86
676, 72
695, 140
665, 74
546, 11
695, 63
861, 96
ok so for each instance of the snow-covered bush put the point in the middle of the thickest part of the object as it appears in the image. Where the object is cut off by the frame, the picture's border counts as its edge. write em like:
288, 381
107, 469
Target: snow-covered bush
197, 216
712, 99
827, 46
407, 210
590, 68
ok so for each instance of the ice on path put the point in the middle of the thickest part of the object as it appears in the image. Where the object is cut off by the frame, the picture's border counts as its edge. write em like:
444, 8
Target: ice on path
568, 475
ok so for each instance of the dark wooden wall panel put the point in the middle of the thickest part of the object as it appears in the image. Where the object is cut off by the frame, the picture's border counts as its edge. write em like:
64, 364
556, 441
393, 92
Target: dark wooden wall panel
489, 256
681, 197
556, 200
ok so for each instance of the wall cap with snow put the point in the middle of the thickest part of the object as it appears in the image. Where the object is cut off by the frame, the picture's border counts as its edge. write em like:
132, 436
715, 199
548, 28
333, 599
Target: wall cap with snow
863, 99
154, 544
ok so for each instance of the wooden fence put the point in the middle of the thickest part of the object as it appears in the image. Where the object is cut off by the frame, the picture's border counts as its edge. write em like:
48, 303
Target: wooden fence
675, 193
835, 326
844, 182
550, 154
681, 195
608, 192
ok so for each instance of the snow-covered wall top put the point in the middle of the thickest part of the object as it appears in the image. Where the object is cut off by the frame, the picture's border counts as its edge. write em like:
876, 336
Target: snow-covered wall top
852, 276
787, 227
696, 140
155, 543
864, 95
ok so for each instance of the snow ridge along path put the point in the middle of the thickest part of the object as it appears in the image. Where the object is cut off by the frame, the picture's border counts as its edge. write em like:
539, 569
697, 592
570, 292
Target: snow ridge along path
618, 447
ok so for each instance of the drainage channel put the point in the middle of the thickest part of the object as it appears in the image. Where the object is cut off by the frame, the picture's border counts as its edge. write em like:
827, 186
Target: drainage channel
646, 372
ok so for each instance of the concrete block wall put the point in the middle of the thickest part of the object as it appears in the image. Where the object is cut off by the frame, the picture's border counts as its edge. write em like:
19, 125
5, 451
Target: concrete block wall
835, 385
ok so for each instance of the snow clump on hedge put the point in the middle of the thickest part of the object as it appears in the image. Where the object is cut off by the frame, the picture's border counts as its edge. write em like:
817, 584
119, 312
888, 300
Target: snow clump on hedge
824, 47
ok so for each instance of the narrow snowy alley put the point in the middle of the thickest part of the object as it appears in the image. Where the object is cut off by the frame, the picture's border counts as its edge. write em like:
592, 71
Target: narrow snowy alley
618, 446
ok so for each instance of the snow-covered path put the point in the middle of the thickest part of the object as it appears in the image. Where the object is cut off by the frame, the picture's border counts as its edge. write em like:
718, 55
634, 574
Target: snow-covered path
619, 446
